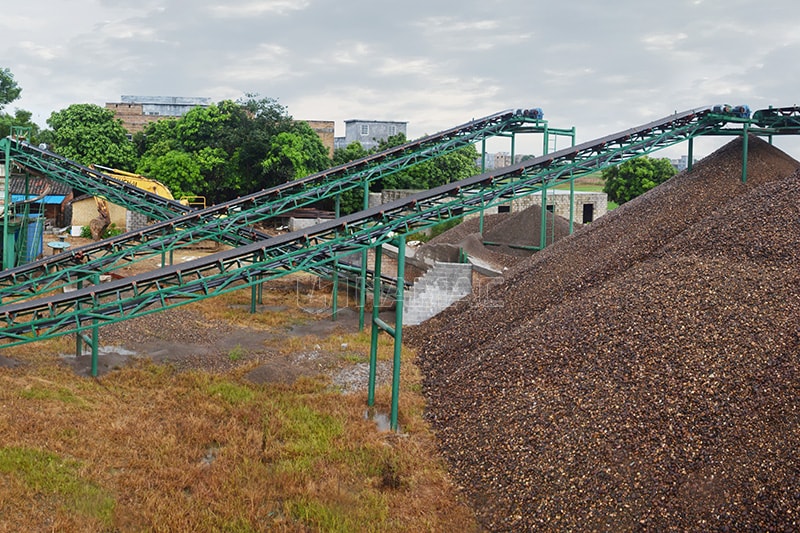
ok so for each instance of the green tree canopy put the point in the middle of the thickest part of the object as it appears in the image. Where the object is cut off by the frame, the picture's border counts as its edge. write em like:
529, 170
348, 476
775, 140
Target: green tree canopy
19, 118
239, 147
635, 177
295, 154
446, 168
89, 134
9, 90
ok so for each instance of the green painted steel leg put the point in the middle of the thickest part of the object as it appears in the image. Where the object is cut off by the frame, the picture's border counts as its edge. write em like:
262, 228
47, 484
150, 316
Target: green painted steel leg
571, 205
335, 297
253, 298
745, 149
8, 251
95, 339
546, 142
362, 290
78, 338
95, 347
362, 282
398, 328
373, 346
543, 228
690, 162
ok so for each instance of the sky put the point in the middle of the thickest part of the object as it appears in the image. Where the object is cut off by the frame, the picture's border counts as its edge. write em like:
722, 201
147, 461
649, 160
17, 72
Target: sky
601, 67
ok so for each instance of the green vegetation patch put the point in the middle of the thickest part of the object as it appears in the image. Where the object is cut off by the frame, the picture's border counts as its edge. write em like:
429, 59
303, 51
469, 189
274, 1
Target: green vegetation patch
60, 395
49, 474
230, 392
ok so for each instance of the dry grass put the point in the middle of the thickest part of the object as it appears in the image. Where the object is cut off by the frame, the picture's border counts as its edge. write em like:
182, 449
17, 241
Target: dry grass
147, 448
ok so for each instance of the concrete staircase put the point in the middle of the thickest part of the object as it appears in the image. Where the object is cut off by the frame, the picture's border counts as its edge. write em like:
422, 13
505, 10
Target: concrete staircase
440, 287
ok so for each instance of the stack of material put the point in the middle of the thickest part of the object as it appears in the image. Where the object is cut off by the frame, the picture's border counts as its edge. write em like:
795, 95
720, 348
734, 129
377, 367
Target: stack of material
643, 374
507, 229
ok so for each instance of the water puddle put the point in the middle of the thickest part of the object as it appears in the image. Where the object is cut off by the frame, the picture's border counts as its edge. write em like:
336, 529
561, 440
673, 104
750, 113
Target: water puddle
382, 420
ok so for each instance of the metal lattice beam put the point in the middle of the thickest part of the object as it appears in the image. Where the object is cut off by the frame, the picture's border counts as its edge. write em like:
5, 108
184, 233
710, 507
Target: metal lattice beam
230, 222
226, 271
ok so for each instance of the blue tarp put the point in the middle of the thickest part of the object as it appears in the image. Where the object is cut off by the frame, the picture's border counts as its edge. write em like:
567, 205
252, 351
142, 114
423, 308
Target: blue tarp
50, 199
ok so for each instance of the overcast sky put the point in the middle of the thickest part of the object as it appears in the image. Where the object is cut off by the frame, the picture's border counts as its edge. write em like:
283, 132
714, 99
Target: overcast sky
601, 66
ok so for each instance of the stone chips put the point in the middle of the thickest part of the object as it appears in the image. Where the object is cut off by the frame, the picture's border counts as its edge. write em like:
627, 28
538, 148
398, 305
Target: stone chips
641, 374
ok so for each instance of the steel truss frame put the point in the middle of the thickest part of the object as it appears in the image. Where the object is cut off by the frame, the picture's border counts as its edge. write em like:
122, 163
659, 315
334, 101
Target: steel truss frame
228, 222
220, 273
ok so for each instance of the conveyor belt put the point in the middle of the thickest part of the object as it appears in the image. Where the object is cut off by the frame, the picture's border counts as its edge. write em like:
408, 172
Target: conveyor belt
230, 222
320, 245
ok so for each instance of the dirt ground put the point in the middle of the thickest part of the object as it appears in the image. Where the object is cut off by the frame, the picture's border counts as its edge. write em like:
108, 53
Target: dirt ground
186, 340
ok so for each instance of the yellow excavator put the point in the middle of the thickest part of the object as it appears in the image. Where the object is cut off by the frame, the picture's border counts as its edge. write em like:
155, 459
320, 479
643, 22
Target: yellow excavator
150, 185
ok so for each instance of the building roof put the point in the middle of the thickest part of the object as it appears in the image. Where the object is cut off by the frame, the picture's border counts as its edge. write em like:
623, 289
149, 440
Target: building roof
37, 185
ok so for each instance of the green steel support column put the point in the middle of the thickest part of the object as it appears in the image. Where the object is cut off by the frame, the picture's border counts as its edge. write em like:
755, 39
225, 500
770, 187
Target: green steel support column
572, 135
691, 154
95, 334
337, 208
164, 258
745, 147
8, 251
373, 346
398, 328
571, 205
483, 154
480, 223
362, 290
546, 143
543, 229
78, 338
513, 146
335, 299
362, 281
253, 298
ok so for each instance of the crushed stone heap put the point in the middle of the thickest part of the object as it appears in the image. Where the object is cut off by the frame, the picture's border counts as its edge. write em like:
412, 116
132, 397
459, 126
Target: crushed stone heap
640, 374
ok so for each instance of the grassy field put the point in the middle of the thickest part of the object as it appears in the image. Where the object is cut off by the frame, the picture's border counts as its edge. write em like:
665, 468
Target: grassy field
150, 448
590, 183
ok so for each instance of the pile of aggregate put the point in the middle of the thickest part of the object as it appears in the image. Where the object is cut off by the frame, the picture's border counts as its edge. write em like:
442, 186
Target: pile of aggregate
640, 374
518, 229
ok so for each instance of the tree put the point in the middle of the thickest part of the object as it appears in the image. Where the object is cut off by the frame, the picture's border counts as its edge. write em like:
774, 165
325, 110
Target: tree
634, 177
19, 118
238, 147
179, 171
446, 168
294, 154
353, 200
9, 90
90, 134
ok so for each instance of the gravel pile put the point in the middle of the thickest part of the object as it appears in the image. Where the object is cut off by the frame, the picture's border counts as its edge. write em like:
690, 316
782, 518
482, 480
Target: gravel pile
520, 229
641, 374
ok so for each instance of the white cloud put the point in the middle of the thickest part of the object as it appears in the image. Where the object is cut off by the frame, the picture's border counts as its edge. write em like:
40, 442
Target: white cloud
664, 41
406, 67
434, 64
251, 9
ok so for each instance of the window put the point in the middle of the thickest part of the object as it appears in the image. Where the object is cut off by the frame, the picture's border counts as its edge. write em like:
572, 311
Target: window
392, 130
365, 129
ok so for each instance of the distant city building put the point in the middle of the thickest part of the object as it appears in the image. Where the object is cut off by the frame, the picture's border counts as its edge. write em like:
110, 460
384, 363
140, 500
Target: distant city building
368, 132
136, 112
682, 163
501, 160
